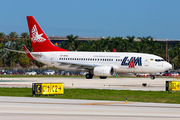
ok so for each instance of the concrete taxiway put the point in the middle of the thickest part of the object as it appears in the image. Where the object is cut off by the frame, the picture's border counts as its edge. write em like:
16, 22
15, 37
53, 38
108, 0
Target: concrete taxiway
22, 108
110, 83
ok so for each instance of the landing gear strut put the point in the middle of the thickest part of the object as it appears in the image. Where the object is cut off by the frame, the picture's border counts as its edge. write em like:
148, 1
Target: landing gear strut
89, 76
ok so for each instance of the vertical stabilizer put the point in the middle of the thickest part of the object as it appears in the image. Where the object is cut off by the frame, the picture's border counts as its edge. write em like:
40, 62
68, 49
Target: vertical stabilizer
40, 42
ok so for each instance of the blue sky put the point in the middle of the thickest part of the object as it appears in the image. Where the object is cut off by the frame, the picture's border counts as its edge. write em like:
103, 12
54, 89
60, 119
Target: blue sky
94, 18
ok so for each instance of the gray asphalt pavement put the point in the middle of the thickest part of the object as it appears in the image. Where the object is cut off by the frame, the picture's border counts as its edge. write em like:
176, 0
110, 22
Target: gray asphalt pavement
110, 83
20, 108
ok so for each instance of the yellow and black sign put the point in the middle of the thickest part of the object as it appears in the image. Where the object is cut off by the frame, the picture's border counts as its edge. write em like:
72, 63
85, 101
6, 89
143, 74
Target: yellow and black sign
48, 88
172, 85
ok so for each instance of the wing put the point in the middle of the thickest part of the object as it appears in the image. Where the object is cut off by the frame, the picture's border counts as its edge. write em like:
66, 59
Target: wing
79, 66
16, 51
29, 54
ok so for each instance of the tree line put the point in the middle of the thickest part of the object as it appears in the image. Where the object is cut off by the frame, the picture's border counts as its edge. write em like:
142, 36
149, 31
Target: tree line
128, 44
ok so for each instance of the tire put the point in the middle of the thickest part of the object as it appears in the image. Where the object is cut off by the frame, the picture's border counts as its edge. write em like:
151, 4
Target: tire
152, 77
89, 76
103, 77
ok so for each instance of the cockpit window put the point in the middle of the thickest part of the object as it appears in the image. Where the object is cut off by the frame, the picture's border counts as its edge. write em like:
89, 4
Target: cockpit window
159, 60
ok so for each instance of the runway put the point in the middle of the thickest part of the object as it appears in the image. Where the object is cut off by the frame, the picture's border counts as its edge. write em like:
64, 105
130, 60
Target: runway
20, 108
110, 83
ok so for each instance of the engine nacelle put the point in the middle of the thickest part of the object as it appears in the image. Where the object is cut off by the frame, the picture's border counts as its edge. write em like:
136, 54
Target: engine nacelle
104, 71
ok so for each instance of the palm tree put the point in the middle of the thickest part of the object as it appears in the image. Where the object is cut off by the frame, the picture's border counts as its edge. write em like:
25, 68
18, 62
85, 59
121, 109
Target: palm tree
82, 46
72, 42
130, 38
63, 45
2, 37
28, 44
13, 36
25, 36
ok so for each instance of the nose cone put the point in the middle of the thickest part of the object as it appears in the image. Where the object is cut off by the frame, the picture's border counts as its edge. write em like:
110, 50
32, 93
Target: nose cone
168, 66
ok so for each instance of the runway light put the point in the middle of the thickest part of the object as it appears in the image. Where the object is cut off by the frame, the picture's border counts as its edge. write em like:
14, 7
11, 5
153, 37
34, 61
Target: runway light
144, 84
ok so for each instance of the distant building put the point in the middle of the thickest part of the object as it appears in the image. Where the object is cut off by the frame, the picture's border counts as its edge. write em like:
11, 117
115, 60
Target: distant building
59, 39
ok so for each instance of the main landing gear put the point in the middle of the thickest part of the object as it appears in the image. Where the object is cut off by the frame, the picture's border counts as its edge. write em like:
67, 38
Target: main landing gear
89, 76
103, 77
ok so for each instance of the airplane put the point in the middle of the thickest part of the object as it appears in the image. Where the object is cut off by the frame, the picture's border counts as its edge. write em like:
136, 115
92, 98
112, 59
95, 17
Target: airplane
100, 64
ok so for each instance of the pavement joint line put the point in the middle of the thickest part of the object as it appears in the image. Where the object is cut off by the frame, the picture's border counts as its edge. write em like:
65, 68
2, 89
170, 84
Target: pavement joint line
103, 103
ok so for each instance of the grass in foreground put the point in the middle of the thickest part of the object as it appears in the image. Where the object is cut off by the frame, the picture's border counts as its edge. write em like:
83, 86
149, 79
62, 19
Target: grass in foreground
96, 94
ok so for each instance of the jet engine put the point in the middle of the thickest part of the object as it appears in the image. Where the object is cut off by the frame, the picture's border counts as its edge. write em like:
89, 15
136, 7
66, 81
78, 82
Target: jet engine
104, 71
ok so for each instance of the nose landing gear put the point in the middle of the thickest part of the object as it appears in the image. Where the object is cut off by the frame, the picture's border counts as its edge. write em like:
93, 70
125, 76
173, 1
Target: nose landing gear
152, 77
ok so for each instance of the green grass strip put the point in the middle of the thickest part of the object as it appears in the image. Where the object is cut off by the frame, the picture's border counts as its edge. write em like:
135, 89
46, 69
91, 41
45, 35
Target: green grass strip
99, 94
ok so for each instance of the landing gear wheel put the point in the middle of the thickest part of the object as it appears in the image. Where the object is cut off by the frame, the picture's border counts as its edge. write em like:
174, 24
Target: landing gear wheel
89, 76
152, 77
103, 77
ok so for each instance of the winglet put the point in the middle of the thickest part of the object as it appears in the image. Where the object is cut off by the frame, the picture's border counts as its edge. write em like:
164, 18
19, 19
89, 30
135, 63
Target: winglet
28, 53
114, 50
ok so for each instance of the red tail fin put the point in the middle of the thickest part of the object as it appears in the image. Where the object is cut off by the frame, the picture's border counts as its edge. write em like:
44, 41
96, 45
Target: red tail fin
39, 40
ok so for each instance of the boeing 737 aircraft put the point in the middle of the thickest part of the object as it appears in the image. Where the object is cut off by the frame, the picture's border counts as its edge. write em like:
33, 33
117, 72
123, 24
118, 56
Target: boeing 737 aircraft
100, 64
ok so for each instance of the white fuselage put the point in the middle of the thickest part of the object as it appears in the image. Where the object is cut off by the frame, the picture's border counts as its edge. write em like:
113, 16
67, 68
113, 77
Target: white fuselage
144, 63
